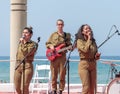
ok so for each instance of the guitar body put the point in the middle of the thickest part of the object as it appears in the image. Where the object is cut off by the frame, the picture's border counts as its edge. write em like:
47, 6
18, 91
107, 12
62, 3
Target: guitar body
51, 55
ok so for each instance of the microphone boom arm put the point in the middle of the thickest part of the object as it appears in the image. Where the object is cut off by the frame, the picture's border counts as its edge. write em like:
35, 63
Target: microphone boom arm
108, 38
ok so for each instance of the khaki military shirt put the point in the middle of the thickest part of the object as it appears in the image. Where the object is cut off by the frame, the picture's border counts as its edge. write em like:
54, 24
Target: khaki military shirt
87, 49
23, 50
56, 39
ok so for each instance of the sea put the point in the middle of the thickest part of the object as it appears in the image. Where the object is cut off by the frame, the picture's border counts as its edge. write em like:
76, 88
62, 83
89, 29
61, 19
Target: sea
105, 72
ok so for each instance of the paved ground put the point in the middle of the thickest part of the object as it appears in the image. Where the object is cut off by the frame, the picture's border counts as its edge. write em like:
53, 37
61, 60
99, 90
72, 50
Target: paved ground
73, 89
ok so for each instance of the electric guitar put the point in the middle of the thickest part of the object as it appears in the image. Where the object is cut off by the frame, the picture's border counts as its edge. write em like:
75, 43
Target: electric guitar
52, 55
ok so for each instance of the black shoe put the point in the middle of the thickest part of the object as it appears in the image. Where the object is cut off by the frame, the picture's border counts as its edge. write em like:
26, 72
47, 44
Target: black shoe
60, 92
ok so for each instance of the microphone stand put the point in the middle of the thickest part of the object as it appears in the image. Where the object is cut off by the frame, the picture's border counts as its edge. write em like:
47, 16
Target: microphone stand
108, 38
67, 63
104, 43
68, 68
23, 62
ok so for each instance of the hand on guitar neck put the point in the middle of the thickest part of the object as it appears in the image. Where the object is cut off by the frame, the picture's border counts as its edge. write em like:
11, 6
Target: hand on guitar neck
52, 47
53, 53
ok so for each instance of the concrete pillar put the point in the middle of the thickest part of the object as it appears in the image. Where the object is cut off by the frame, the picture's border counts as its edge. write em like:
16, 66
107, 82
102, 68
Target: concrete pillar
18, 20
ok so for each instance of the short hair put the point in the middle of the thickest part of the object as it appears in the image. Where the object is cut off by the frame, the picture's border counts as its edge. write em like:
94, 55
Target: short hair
60, 20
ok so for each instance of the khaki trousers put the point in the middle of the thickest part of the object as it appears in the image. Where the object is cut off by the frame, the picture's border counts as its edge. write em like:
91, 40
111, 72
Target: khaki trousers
87, 72
18, 80
57, 68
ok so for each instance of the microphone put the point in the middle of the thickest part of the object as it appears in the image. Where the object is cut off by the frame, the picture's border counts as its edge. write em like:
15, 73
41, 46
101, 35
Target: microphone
21, 39
117, 31
38, 39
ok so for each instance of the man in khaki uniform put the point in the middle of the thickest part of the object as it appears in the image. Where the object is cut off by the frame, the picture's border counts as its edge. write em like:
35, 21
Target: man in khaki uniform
88, 52
57, 66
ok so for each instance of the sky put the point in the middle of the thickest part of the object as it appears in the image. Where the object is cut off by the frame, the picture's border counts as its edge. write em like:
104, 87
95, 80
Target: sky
101, 15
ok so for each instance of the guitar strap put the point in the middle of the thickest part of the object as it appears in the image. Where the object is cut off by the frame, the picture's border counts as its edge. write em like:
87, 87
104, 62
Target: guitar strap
65, 39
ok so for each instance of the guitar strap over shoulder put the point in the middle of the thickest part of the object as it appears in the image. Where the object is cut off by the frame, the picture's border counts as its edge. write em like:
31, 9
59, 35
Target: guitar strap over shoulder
65, 39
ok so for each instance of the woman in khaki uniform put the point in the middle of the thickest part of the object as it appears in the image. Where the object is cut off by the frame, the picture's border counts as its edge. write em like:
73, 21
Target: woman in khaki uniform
24, 72
57, 66
88, 52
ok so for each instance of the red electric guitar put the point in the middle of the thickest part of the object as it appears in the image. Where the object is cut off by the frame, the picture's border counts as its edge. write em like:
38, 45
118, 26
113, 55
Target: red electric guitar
51, 55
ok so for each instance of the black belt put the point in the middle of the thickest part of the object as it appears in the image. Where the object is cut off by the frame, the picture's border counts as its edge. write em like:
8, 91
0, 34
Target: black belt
88, 59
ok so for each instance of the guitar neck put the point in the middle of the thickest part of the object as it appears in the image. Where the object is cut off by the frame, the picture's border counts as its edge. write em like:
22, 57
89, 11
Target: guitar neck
63, 49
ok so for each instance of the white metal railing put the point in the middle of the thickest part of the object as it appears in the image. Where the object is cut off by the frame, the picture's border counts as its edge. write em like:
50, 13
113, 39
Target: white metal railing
102, 70
106, 63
